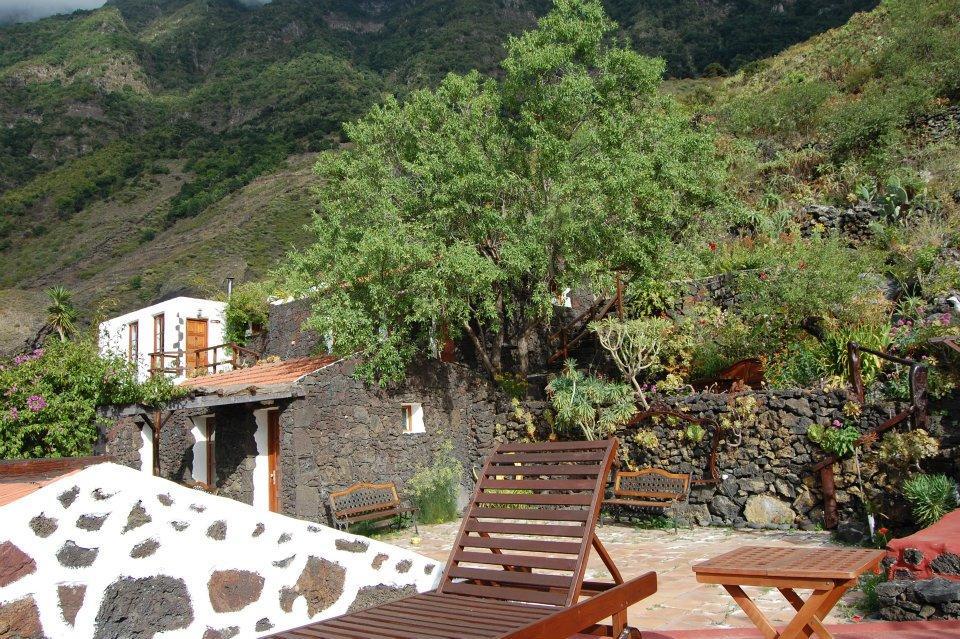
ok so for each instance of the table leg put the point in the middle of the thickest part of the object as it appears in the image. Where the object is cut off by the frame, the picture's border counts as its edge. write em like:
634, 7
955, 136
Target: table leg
807, 616
755, 614
815, 624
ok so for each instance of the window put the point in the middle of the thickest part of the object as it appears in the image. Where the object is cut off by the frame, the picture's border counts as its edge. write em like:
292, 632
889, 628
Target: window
133, 341
158, 327
413, 418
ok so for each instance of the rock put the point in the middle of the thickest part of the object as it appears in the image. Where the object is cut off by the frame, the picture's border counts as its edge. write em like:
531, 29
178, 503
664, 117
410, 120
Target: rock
67, 497
14, 564
217, 530
144, 549
283, 563
91, 522
137, 517
99, 495
320, 583
352, 546
140, 608
221, 633
370, 596
180, 526
233, 590
799, 407
724, 508
20, 619
378, 561
166, 500
71, 599
913, 556
258, 530
284, 538
428, 569
404, 566
937, 590
765, 509
851, 532
946, 564
263, 625
73, 556
889, 591
197, 508
43, 526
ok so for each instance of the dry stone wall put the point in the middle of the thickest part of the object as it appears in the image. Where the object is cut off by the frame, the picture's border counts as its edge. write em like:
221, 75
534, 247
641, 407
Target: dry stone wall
110, 552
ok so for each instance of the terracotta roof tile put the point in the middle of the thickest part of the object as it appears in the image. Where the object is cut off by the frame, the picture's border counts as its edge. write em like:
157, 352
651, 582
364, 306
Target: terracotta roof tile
20, 477
259, 375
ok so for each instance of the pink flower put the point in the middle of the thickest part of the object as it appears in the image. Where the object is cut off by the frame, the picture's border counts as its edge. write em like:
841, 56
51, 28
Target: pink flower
837, 423
36, 403
14, 414
945, 319
37, 353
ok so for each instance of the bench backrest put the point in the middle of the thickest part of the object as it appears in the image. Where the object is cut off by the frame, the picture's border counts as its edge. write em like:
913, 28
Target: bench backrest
525, 493
651, 483
364, 497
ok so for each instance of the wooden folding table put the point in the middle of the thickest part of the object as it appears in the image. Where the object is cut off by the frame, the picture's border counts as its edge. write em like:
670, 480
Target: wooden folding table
828, 572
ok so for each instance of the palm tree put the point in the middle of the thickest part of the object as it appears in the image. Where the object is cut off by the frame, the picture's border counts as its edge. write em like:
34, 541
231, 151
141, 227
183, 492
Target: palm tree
61, 313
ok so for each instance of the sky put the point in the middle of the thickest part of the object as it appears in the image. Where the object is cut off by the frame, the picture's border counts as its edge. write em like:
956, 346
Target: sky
26, 10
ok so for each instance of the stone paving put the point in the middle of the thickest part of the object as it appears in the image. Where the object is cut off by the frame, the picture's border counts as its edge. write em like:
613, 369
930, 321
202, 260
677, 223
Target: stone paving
680, 602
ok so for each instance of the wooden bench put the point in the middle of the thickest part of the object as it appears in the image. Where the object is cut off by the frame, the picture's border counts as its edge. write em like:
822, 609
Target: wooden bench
376, 503
648, 488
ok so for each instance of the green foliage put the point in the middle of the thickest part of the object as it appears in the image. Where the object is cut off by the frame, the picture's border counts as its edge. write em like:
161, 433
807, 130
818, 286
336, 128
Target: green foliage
249, 305
589, 405
931, 496
61, 313
835, 438
434, 487
870, 603
693, 433
48, 398
635, 346
903, 450
646, 439
469, 205
800, 365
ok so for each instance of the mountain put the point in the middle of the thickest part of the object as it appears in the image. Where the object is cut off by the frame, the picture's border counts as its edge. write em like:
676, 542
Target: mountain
151, 147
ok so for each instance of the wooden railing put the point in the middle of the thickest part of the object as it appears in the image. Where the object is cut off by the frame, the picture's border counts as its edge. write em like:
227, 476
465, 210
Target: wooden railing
571, 333
917, 412
201, 361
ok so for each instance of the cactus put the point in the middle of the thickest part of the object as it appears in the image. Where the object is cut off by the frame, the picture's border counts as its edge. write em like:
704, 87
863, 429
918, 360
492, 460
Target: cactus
895, 198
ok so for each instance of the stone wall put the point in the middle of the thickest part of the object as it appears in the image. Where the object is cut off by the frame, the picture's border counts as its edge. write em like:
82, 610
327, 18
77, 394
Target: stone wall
111, 552
906, 600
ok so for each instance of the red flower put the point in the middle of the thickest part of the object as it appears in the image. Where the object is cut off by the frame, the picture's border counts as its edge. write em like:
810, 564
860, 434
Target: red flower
803, 265
764, 276
713, 246
883, 531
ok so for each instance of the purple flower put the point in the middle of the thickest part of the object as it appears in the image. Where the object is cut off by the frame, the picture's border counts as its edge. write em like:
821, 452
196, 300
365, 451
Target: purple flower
20, 359
14, 414
36, 403
900, 322
945, 319
37, 353
837, 423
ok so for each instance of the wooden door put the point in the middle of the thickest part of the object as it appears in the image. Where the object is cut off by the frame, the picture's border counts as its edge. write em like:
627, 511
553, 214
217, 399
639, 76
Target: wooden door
196, 341
273, 456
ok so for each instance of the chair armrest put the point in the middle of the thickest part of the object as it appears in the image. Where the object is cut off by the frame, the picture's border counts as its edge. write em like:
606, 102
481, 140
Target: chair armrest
588, 613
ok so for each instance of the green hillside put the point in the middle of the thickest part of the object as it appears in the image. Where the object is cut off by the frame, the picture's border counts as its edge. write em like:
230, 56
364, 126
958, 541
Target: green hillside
129, 127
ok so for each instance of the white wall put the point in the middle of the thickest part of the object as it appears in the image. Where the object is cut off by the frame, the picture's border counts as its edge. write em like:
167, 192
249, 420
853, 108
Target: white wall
201, 438
146, 449
261, 467
114, 333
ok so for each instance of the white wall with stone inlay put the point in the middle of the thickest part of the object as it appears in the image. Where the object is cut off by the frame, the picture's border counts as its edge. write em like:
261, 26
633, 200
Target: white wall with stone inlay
142, 552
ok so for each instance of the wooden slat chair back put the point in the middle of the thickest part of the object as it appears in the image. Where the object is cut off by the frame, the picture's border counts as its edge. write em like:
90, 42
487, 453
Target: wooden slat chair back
528, 531
366, 502
649, 488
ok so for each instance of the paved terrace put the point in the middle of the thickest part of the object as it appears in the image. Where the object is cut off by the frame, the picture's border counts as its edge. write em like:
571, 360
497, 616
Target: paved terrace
680, 603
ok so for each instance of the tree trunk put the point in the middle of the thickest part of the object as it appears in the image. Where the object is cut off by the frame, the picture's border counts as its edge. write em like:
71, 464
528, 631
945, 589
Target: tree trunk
523, 351
481, 352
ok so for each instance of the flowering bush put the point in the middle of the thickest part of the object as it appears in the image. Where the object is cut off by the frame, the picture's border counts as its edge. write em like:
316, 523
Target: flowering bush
49, 397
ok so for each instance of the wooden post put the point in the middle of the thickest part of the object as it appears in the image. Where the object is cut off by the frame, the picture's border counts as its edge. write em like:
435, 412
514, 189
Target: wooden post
856, 374
830, 516
619, 298
919, 397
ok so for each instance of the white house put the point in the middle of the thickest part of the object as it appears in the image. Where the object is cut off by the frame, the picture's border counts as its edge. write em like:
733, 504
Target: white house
178, 336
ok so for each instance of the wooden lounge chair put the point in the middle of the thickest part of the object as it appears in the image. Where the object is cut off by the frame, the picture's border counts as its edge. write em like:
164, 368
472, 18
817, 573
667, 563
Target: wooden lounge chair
517, 568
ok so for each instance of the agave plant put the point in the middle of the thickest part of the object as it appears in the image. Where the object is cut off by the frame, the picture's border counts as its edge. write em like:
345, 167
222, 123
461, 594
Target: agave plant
590, 404
932, 497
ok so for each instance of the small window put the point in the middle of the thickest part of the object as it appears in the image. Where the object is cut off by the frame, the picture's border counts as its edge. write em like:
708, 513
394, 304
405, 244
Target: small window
133, 341
413, 419
158, 327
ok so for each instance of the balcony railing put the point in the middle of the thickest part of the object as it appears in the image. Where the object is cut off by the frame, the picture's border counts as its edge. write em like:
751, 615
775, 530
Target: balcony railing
202, 361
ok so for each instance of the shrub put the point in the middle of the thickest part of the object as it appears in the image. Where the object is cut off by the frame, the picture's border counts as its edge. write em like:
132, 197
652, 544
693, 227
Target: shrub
589, 404
907, 449
434, 487
836, 438
249, 305
931, 496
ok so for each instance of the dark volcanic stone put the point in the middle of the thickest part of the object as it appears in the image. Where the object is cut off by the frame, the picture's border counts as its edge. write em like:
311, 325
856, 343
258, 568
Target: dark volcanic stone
283, 563
91, 522
378, 561
221, 633
140, 608
404, 566
197, 508
73, 556
217, 530
71, 598
946, 564
180, 526
370, 596
263, 625
43, 526
320, 583
937, 591
137, 517
233, 590
14, 563
144, 549
20, 619
913, 556
352, 546
258, 530
99, 495
284, 538
428, 569
166, 500
67, 497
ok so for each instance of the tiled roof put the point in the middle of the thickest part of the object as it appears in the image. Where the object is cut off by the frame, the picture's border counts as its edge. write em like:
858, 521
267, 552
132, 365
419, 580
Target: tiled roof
19, 478
258, 376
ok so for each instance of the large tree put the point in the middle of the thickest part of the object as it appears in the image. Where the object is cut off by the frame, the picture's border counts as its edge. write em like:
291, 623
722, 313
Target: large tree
465, 209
